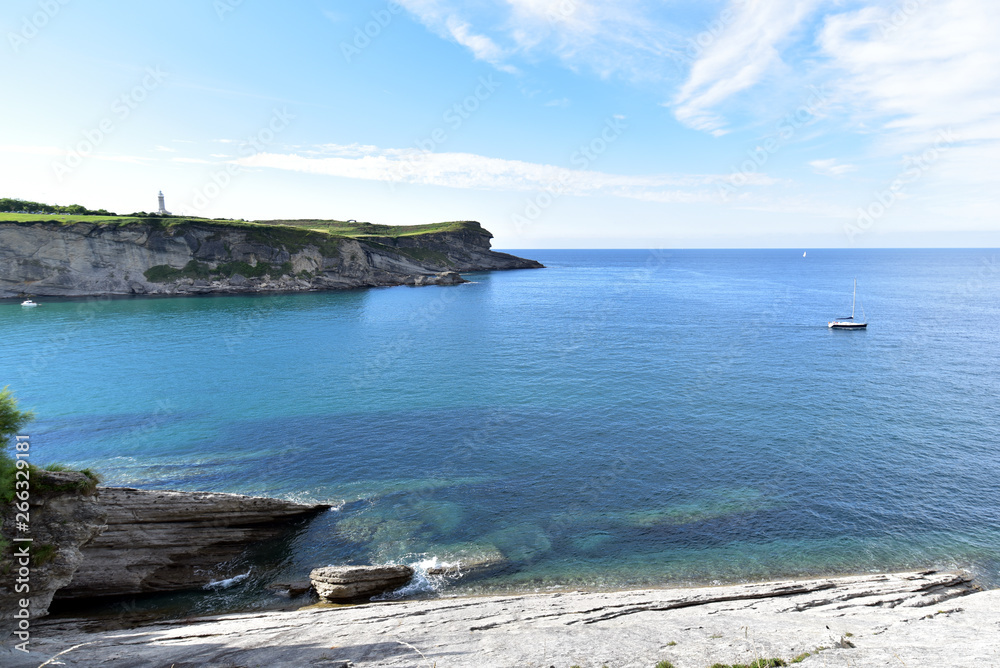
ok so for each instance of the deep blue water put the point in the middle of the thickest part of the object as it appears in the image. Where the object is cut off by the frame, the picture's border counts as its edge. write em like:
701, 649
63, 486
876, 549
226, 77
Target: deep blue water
620, 418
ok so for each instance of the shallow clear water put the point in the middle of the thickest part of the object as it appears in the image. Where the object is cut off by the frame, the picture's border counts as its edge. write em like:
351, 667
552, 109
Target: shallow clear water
620, 418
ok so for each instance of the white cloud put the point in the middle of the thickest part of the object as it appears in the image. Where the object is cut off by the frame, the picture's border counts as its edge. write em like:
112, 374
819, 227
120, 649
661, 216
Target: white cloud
609, 37
166, 148
738, 57
470, 171
939, 67
831, 167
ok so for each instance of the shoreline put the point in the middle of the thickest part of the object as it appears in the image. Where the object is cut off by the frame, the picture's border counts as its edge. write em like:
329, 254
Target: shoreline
919, 618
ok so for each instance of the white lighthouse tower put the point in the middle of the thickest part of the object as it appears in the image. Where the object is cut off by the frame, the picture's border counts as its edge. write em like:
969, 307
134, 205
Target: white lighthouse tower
163, 209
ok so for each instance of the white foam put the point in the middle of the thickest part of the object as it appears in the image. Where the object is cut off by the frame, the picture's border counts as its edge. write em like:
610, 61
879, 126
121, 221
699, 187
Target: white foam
228, 582
422, 582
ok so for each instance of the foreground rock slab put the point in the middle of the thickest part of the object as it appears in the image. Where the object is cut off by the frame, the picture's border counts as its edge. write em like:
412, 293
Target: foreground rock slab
348, 583
911, 619
158, 540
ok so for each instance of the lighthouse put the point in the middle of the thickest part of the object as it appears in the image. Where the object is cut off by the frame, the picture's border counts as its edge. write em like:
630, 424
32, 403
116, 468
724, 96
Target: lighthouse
163, 209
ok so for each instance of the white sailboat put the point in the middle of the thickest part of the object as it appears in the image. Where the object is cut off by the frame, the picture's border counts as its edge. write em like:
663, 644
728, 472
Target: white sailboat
849, 322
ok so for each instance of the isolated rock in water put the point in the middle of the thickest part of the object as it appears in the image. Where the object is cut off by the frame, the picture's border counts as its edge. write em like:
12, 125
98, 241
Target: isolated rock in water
450, 278
345, 583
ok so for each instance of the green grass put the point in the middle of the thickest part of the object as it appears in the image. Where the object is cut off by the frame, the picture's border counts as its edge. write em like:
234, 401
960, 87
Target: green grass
664, 664
801, 657
356, 229
69, 219
43, 554
336, 228
293, 235
759, 663
86, 486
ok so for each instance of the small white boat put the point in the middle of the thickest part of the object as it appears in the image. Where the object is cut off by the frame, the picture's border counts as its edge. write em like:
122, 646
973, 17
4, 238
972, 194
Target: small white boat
28, 302
848, 322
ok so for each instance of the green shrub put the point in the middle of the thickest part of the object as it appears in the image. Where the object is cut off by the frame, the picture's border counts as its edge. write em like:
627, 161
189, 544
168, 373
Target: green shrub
12, 420
163, 273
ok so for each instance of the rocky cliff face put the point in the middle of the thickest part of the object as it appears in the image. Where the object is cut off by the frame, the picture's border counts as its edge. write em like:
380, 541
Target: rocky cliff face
84, 259
157, 541
64, 516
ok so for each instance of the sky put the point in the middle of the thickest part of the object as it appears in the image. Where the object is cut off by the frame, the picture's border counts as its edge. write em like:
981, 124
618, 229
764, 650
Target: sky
555, 123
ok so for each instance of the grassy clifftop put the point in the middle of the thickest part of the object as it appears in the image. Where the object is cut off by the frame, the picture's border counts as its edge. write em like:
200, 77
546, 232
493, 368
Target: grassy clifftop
336, 228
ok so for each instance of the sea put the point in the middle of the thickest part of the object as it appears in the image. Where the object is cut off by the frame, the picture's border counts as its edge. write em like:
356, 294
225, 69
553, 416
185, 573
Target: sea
619, 419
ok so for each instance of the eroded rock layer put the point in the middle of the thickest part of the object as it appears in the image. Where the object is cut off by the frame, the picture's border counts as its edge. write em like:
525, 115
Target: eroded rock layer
84, 259
158, 541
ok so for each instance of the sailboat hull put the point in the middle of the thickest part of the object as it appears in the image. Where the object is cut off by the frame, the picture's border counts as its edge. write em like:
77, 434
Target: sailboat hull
848, 325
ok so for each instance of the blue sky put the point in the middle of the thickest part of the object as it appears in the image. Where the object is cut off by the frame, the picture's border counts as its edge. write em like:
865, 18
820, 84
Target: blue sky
556, 123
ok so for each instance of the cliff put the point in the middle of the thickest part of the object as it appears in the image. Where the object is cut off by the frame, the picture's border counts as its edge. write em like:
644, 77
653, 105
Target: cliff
178, 257
64, 516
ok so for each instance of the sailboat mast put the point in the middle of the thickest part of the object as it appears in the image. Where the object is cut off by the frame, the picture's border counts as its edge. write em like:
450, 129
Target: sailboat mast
854, 299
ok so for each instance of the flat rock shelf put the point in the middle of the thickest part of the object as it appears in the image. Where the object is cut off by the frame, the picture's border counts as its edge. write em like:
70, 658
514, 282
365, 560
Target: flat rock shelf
914, 619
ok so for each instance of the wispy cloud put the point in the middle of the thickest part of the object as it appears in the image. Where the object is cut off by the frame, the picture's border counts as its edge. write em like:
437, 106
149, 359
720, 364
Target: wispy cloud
738, 59
940, 66
470, 171
831, 167
608, 37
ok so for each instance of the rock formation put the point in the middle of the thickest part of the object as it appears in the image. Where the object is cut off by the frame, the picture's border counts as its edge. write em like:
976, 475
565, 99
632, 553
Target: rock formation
905, 619
64, 516
158, 541
156, 257
351, 583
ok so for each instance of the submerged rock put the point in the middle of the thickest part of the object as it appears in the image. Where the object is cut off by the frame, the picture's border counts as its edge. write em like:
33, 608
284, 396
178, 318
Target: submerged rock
290, 589
468, 565
346, 583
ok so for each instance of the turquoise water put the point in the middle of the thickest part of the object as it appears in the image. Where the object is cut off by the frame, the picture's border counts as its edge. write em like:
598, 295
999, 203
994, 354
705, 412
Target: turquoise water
620, 418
